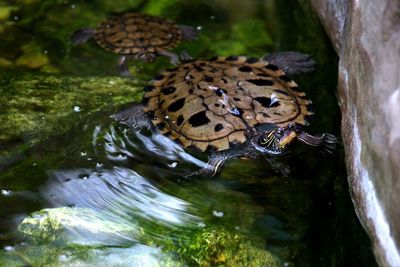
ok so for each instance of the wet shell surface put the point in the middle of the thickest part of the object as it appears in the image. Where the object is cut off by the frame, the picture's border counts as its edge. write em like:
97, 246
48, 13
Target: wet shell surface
213, 105
134, 33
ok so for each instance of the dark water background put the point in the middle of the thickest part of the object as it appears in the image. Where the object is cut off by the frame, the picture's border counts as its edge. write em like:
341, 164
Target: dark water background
307, 218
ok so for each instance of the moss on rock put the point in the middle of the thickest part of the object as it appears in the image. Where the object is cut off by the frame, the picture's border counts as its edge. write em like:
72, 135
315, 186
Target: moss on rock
217, 246
36, 106
76, 226
60, 230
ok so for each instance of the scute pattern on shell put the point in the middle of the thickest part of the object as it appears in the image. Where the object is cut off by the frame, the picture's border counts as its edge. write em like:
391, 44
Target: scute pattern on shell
216, 104
134, 33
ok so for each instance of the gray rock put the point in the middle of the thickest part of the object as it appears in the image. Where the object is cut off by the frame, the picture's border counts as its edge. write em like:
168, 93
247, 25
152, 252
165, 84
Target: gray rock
366, 36
78, 226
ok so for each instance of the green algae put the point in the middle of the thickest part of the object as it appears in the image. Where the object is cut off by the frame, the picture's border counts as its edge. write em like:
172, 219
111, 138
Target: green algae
33, 56
68, 224
54, 22
54, 256
5, 12
215, 246
36, 106
11, 259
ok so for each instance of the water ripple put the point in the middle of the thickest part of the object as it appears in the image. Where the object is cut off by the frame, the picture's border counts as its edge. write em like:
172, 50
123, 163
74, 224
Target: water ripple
120, 191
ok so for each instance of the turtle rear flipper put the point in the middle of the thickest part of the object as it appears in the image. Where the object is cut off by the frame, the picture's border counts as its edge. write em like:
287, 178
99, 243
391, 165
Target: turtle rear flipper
82, 35
133, 117
291, 62
188, 33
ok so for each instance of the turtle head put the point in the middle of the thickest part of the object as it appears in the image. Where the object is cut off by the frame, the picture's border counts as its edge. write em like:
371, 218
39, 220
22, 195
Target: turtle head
278, 141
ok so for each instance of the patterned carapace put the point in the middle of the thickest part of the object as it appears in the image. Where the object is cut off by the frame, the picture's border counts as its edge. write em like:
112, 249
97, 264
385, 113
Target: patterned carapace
134, 33
213, 105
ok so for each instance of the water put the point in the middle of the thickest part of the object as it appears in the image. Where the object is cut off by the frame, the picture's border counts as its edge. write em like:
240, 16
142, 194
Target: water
135, 181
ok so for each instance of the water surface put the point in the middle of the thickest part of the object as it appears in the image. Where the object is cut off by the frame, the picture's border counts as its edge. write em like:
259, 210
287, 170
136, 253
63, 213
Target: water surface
136, 178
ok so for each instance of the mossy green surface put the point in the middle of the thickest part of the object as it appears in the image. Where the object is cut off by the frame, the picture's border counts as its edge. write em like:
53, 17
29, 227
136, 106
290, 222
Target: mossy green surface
59, 256
60, 224
11, 259
36, 106
216, 246
207, 246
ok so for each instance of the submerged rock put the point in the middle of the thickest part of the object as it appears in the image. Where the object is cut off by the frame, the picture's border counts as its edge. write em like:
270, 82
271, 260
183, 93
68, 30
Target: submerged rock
78, 226
81, 235
366, 36
50, 255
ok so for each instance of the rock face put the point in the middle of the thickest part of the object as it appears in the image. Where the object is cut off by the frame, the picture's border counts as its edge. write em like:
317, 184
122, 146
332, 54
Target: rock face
366, 36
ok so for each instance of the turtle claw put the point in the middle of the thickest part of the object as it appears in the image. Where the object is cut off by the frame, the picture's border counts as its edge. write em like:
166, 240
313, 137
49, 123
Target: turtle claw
175, 61
185, 57
188, 33
212, 168
330, 143
125, 73
123, 69
173, 58
204, 172
192, 175
327, 142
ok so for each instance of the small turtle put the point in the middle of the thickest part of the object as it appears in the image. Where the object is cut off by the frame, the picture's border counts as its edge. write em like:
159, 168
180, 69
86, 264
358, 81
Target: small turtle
137, 36
231, 107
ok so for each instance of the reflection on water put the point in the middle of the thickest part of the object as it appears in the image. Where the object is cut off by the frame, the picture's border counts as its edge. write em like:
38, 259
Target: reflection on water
137, 146
134, 179
120, 191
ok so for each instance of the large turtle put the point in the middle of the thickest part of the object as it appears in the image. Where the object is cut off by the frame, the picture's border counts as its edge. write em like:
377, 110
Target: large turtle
231, 107
137, 36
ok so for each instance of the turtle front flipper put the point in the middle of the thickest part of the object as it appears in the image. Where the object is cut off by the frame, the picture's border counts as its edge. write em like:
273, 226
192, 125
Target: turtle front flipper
291, 62
133, 117
82, 35
213, 167
217, 159
173, 58
122, 67
327, 142
185, 57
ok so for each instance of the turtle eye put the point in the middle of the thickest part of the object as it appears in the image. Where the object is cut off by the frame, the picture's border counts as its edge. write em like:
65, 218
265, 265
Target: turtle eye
291, 127
278, 133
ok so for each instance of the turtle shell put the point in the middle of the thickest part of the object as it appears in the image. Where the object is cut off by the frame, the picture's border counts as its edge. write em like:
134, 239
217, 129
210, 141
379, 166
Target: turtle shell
134, 33
216, 104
